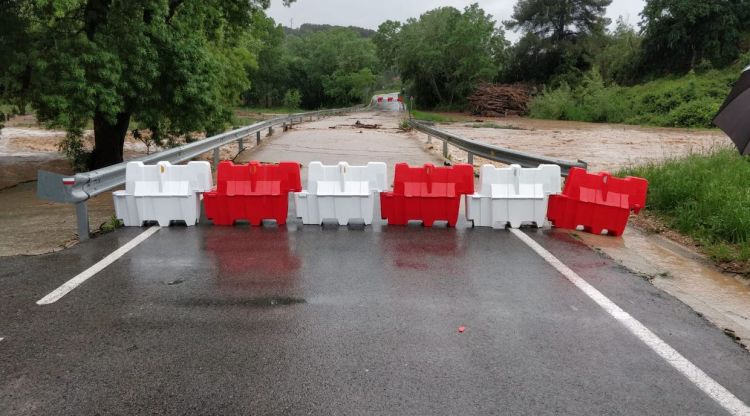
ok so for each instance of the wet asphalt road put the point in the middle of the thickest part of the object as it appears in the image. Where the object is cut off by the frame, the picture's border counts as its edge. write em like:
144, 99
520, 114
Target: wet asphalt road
305, 320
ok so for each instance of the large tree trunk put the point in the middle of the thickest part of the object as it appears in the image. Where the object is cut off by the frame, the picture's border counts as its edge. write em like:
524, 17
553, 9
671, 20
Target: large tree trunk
109, 140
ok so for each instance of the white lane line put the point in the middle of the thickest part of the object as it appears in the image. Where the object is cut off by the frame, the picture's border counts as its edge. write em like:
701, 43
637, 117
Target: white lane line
71, 284
703, 381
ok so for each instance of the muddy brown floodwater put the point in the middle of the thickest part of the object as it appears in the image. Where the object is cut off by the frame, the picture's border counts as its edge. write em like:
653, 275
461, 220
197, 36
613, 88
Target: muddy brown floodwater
603, 146
32, 226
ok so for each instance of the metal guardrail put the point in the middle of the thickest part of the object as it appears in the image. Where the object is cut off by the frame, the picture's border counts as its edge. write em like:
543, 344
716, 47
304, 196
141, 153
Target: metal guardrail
490, 152
79, 188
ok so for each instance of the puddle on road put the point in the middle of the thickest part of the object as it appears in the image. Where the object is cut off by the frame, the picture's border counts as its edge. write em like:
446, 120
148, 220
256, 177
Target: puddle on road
723, 299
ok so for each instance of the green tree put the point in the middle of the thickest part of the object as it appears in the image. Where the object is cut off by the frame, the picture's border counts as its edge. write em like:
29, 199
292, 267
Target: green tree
15, 65
292, 99
681, 34
331, 67
558, 37
445, 53
619, 56
385, 42
269, 77
175, 66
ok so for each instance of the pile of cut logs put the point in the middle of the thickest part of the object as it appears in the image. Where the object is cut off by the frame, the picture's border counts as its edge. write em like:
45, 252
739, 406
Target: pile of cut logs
500, 100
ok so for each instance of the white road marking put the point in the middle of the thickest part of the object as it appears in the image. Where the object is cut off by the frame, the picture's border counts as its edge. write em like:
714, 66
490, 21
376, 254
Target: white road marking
71, 284
703, 381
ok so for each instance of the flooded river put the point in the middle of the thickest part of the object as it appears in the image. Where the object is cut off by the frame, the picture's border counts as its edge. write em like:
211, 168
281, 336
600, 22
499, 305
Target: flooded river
603, 146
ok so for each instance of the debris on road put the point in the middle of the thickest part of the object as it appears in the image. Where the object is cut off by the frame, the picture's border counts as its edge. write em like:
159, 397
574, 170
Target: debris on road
461, 329
500, 100
361, 125
175, 282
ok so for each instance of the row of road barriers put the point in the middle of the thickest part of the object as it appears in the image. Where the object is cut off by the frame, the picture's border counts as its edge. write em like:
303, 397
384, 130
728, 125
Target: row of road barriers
255, 192
78, 189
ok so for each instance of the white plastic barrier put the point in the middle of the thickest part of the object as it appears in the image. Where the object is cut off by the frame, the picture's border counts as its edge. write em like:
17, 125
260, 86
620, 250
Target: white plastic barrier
340, 191
513, 195
162, 192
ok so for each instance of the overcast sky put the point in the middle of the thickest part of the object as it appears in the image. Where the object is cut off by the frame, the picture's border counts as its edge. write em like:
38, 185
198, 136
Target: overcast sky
370, 13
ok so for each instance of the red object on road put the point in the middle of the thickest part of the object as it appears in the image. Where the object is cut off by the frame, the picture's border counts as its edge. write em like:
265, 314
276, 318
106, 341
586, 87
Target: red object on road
461, 330
597, 201
426, 193
253, 192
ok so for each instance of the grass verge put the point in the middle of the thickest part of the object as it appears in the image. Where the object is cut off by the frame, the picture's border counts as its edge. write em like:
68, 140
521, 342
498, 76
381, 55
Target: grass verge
688, 101
706, 197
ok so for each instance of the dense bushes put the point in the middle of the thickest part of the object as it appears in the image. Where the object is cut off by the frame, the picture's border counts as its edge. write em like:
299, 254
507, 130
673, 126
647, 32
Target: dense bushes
688, 101
706, 197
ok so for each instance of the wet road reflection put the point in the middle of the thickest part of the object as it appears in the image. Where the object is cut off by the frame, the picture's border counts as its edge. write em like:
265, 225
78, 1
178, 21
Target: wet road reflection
417, 248
252, 258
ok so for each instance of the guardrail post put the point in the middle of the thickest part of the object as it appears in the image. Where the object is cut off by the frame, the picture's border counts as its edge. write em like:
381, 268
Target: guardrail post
216, 158
429, 139
270, 130
445, 149
470, 158
257, 138
241, 143
82, 218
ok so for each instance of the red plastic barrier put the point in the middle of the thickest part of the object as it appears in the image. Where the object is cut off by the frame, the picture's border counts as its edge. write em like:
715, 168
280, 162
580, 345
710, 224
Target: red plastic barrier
426, 193
390, 99
252, 192
380, 99
597, 201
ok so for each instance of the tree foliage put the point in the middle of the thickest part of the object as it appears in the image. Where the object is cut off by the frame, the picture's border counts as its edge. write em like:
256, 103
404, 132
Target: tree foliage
331, 67
679, 35
269, 77
175, 66
558, 36
619, 55
442, 55
15, 64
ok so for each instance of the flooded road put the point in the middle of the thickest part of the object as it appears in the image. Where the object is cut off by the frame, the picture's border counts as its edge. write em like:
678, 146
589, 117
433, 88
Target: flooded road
604, 146
340, 138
